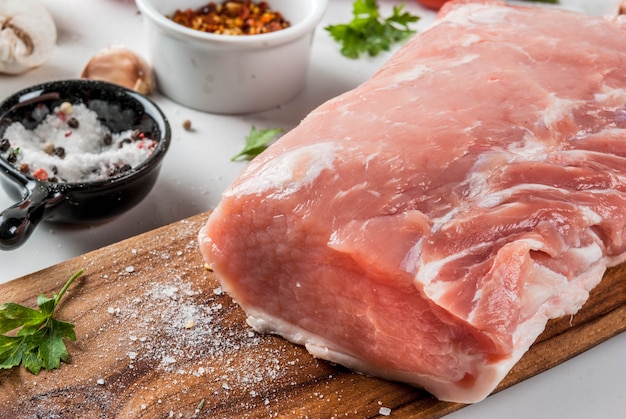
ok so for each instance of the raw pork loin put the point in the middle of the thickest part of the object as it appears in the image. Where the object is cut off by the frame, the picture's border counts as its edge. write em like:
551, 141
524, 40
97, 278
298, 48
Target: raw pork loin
424, 226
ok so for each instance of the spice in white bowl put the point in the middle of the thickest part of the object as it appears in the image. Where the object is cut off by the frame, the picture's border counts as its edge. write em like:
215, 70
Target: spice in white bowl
72, 146
230, 74
232, 17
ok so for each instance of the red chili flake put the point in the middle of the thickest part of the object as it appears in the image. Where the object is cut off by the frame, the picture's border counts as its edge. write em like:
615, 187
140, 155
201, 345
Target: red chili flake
61, 116
40, 174
67, 134
232, 17
147, 144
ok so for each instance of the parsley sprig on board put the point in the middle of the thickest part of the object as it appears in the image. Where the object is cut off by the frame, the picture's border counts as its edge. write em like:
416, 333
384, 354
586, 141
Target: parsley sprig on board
39, 342
369, 32
256, 142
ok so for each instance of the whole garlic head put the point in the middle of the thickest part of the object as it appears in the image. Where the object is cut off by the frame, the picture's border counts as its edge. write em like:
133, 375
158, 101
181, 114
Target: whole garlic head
27, 35
121, 66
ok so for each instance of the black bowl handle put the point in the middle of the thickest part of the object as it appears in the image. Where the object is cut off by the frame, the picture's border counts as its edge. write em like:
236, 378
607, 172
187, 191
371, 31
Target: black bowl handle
19, 221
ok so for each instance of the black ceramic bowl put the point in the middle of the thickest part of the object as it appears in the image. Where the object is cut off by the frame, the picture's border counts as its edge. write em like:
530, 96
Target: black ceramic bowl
119, 109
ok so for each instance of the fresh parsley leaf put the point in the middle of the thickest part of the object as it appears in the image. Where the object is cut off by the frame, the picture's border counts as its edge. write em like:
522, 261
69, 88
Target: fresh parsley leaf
39, 341
256, 142
369, 32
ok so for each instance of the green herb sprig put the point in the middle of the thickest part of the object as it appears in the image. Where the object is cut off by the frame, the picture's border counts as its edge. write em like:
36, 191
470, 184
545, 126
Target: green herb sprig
256, 142
369, 32
39, 342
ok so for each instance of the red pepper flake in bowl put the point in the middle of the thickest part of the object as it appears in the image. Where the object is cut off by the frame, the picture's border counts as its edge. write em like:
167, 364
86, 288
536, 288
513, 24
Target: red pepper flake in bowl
232, 17
40, 174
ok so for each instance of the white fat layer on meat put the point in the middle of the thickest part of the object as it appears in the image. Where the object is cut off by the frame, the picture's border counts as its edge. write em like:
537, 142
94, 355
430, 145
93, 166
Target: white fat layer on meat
489, 377
416, 72
474, 14
529, 148
590, 216
410, 260
450, 65
468, 129
324, 349
568, 300
363, 186
373, 157
468, 58
428, 273
289, 172
497, 198
557, 110
407, 76
470, 39
610, 97
619, 134
580, 157
616, 260
375, 194
527, 299
540, 286
568, 296
550, 293
588, 255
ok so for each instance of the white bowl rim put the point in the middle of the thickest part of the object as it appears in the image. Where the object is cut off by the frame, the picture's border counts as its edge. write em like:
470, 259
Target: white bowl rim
294, 31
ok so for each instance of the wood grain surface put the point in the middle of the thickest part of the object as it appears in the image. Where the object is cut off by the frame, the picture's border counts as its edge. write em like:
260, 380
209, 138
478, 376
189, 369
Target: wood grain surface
156, 338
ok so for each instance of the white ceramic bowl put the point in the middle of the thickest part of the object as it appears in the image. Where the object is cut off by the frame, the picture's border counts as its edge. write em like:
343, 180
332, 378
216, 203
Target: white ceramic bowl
230, 74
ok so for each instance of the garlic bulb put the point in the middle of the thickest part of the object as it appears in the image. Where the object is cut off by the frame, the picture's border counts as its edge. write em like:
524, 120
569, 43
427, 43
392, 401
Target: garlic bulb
27, 35
120, 66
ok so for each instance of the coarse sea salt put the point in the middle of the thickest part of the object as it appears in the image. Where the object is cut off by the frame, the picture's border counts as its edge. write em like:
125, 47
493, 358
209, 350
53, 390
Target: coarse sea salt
384, 411
75, 147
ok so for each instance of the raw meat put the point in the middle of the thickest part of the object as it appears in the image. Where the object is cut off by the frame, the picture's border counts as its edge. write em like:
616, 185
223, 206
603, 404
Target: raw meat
426, 225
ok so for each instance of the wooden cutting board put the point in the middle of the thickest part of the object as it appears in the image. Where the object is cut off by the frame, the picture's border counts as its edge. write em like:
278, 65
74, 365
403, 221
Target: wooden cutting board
156, 338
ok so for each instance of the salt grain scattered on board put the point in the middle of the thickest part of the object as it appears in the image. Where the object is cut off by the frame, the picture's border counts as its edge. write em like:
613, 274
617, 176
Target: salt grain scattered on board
140, 326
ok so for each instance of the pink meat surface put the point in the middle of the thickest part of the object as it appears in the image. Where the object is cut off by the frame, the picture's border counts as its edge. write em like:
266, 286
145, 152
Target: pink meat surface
426, 225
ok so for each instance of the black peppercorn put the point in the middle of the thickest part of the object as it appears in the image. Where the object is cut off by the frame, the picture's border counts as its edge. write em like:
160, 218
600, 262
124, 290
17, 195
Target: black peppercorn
72, 123
4, 144
59, 152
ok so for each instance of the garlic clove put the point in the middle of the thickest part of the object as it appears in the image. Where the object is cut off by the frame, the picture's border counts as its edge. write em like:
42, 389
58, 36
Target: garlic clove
120, 66
27, 35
